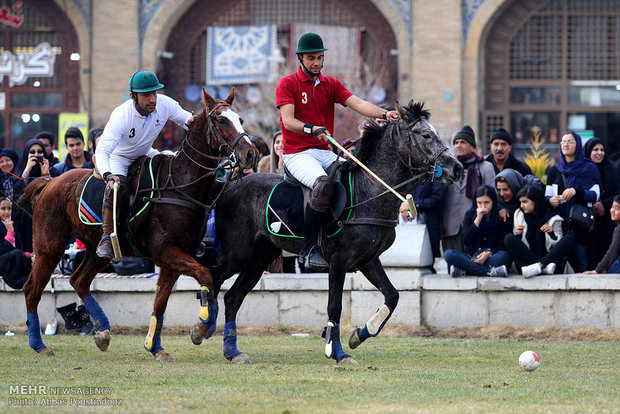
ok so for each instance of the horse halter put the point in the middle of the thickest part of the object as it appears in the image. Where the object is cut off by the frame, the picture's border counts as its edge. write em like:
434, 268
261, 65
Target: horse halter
433, 169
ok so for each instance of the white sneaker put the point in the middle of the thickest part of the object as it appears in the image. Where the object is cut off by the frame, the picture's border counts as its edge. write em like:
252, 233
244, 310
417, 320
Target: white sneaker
456, 272
50, 329
531, 270
499, 271
549, 269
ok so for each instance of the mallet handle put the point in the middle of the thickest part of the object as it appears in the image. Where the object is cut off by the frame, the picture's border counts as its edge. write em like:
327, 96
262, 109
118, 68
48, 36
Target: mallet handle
118, 256
409, 200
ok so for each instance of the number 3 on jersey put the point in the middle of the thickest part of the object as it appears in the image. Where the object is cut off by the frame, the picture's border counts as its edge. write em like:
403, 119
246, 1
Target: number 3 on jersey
304, 97
132, 132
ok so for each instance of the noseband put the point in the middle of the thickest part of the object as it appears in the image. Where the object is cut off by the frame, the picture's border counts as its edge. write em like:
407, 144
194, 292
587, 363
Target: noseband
432, 168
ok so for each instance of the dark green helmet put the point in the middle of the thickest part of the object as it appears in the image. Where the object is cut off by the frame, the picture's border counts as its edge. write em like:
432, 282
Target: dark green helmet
310, 42
144, 81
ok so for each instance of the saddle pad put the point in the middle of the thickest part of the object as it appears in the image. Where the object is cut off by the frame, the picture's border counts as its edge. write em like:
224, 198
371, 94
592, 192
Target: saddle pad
90, 209
284, 211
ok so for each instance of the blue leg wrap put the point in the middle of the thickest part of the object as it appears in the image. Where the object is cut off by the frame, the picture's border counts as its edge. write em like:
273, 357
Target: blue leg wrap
34, 332
155, 342
364, 333
338, 352
230, 340
96, 312
207, 300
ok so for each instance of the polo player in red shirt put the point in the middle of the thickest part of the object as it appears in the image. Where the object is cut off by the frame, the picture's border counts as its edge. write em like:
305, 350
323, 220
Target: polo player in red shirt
306, 101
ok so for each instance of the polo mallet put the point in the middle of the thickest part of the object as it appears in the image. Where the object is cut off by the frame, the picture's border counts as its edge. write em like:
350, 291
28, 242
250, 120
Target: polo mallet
114, 237
408, 200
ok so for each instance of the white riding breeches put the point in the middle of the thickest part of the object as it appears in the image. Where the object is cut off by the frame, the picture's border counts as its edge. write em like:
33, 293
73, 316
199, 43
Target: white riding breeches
308, 165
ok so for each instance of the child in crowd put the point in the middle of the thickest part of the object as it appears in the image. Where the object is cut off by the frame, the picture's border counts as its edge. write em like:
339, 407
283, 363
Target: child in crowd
538, 244
483, 235
611, 261
15, 264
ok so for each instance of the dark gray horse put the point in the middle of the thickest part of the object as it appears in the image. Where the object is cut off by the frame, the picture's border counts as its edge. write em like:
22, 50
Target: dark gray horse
394, 152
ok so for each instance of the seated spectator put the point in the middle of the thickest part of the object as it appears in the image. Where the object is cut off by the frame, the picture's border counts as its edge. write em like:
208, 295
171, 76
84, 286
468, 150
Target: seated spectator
483, 237
49, 143
574, 179
537, 243
611, 261
15, 264
610, 187
76, 157
10, 184
508, 183
33, 163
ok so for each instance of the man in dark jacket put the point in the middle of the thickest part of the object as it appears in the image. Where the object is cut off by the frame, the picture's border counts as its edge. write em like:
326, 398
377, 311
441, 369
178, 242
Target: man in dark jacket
501, 157
77, 157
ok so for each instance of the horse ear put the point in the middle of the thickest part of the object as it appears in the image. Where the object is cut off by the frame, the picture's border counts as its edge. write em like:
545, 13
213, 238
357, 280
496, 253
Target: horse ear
401, 112
207, 99
231, 96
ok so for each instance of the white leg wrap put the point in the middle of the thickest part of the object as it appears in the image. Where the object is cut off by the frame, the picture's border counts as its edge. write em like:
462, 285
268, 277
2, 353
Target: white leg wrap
375, 322
329, 347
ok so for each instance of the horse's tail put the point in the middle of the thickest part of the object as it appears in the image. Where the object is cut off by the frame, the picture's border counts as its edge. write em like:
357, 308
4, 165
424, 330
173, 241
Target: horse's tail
31, 192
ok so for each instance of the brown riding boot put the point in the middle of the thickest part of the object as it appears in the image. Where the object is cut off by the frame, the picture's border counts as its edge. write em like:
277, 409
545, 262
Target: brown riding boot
104, 248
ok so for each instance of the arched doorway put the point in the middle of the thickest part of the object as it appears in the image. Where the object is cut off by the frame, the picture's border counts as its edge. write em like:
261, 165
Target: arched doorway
552, 66
188, 39
32, 101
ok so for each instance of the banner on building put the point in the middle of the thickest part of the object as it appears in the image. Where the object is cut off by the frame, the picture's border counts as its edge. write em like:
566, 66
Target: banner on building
20, 67
240, 54
67, 120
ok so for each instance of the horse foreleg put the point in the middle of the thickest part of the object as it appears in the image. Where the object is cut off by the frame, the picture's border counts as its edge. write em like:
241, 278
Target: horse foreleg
81, 280
376, 275
331, 333
152, 342
179, 262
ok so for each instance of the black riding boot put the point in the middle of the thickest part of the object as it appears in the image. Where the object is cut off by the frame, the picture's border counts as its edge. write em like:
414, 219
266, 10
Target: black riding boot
310, 254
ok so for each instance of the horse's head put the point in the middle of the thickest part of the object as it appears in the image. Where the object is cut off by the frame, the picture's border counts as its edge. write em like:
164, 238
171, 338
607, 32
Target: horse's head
423, 146
224, 131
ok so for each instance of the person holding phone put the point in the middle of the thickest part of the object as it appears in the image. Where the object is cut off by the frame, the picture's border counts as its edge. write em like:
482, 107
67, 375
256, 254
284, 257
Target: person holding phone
33, 163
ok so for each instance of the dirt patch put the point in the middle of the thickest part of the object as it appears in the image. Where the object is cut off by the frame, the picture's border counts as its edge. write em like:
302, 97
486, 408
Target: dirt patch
481, 332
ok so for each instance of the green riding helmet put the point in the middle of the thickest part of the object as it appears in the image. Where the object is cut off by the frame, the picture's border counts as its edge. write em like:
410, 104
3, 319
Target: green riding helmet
310, 42
144, 81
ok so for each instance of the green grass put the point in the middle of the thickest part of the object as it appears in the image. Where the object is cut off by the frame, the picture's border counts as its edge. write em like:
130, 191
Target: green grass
291, 375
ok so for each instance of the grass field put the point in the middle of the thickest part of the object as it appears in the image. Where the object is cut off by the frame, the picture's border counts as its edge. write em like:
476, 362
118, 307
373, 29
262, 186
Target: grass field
291, 375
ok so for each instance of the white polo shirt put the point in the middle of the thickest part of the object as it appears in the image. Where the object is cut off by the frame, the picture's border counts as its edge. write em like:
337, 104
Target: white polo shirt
128, 135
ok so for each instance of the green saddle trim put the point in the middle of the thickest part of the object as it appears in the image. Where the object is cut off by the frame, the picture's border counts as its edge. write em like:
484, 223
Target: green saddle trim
301, 237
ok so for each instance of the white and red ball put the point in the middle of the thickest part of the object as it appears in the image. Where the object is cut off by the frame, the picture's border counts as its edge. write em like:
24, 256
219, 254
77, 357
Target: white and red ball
529, 360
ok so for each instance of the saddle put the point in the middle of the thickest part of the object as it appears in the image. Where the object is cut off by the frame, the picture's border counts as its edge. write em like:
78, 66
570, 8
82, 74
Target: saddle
288, 198
142, 175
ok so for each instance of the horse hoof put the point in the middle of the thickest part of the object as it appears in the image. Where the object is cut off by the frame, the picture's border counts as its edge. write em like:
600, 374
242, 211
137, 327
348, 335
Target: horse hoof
163, 356
102, 339
241, 359
347, 361
197, 333
46, 351
354, 339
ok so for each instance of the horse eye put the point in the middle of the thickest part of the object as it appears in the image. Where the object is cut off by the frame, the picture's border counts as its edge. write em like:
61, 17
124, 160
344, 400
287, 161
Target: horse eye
426, 135
241, 121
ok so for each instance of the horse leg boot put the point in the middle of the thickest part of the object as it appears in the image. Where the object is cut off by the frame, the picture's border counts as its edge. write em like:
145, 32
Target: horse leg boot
320, 199
104, 248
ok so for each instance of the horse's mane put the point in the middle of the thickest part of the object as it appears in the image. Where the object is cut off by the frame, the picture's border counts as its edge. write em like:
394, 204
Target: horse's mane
371, 134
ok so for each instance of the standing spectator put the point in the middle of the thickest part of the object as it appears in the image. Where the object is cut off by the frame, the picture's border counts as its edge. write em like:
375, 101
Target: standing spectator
575, 179
277, 164
428, 198
15, 264
33, 163
76, 156
459, 196
10, 184
501, 154
49, 143
483, 236
596, 151
611, 261
93, 139
537, 243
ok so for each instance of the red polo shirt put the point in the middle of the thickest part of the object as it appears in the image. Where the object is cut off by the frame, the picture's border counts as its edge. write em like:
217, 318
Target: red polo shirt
314, 104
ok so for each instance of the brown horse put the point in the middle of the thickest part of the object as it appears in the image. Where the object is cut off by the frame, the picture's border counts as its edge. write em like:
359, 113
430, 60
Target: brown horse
166, 231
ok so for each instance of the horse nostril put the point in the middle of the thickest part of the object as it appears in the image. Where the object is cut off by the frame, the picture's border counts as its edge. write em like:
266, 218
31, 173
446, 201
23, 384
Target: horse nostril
457, 170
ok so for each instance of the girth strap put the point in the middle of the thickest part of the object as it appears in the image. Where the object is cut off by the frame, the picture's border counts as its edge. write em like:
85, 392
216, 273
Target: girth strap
177, 201
371, 221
